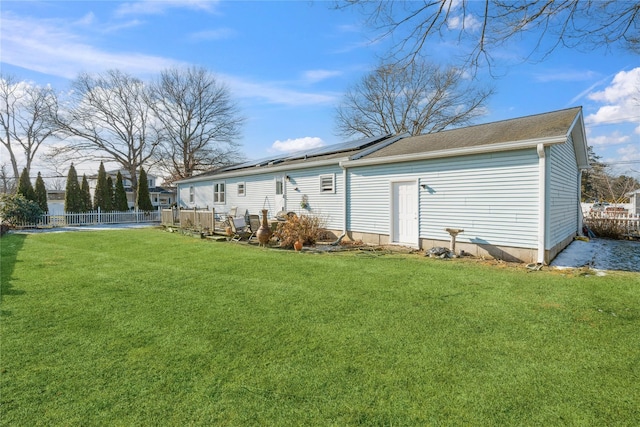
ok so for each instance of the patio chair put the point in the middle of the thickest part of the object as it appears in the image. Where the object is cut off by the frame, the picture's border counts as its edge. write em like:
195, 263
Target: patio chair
254, 224
233, 212
239, 229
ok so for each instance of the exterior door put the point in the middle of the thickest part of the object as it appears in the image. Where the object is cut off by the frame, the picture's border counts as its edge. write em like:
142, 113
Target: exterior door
404, 213
280, 203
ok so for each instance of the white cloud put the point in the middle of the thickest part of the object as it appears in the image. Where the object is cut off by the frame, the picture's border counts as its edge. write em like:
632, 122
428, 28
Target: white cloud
464, 22
155, 7
612, 139
621, 98
314, 76
566, 76
297, 144
48, 47
276, 94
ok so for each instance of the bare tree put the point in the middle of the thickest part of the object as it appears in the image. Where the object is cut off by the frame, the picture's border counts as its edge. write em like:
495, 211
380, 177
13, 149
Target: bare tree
7, 182
419, 98
199, 121
487, 25
26, 114
109, 118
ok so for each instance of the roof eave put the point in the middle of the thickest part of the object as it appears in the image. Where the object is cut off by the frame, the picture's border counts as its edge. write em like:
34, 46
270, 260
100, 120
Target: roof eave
455, 152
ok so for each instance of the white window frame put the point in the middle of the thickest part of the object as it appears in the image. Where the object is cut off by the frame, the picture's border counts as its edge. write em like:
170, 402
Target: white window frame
242, 189
323, 188
192, 194
219, 192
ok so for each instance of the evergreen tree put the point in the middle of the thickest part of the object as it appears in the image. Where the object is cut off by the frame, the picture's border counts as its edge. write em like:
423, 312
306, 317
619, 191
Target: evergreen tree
24, 186
41, 194
109, 206
73, 197
120, 197
101, 193
144, 200
86, 194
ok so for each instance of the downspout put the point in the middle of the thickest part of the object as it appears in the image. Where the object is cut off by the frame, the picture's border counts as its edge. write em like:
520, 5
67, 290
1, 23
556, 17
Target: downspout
344, 206
542, 203
580, 214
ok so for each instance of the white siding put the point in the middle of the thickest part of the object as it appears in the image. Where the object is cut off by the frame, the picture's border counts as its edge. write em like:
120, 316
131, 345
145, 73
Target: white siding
203, 195
329, 206
493, 197
562, 194
260, 194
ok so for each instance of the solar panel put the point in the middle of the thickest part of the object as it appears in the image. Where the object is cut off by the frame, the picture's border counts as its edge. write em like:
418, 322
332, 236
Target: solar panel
336, 148
319, 151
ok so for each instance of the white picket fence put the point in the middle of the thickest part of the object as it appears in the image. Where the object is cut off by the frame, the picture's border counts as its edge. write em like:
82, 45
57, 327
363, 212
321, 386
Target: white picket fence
629, 224
92, 218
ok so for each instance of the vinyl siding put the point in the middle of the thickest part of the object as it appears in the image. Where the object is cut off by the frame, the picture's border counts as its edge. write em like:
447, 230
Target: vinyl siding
203, 195
493, 197
260, 194
563, 203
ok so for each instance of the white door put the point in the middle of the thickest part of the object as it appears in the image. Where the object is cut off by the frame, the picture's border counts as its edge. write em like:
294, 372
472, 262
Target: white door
404, 215
280, 204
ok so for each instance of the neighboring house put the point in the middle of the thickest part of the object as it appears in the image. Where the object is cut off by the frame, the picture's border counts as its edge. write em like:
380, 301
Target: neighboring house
162, 197
513, 186
634, 201
55, 202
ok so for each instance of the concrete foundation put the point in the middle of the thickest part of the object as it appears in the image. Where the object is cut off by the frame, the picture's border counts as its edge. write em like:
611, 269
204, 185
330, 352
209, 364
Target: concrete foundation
505, 253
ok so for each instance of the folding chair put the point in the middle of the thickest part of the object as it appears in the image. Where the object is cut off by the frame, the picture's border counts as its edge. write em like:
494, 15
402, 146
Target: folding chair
254, 224
238, 228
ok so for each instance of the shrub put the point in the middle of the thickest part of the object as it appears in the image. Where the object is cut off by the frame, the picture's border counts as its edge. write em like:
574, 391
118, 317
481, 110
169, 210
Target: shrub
17, 210
602, 226
305, 228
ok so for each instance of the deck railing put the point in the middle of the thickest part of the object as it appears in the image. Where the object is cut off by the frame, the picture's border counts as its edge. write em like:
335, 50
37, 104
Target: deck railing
194, 219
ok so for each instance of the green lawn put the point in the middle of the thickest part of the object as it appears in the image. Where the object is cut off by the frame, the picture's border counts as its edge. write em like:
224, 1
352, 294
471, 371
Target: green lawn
143, 327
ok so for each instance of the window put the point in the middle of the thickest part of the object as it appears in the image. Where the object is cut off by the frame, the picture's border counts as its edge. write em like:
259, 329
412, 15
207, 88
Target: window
191, 194
279, 186
327, 183
241, 189
218, 192
150, 183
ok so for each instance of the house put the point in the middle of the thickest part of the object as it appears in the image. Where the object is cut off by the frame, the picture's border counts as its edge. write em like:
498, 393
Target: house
55, 202
513, 186
160, 196
634, 202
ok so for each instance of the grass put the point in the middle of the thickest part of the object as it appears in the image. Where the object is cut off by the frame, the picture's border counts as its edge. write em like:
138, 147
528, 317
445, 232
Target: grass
142, 327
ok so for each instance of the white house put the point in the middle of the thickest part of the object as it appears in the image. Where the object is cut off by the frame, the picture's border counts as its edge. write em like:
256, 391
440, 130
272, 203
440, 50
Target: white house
634, 202
513, 186
160, 196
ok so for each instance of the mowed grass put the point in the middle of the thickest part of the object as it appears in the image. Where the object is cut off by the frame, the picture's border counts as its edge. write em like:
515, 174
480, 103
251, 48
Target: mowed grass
143, 327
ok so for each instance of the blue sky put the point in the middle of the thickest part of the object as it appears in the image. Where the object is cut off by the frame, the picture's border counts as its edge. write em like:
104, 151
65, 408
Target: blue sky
288, 63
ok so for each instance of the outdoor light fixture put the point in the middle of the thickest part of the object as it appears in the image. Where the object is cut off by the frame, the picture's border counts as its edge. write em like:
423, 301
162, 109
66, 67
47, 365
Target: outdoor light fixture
288, 178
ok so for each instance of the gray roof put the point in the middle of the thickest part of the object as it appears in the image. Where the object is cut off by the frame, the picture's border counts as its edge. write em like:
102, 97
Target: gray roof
539, 126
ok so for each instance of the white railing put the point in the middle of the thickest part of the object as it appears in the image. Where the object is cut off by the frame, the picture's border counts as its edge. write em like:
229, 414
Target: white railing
92, 218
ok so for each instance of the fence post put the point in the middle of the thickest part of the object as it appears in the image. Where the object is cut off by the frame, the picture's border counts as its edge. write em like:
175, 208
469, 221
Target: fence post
213, 220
